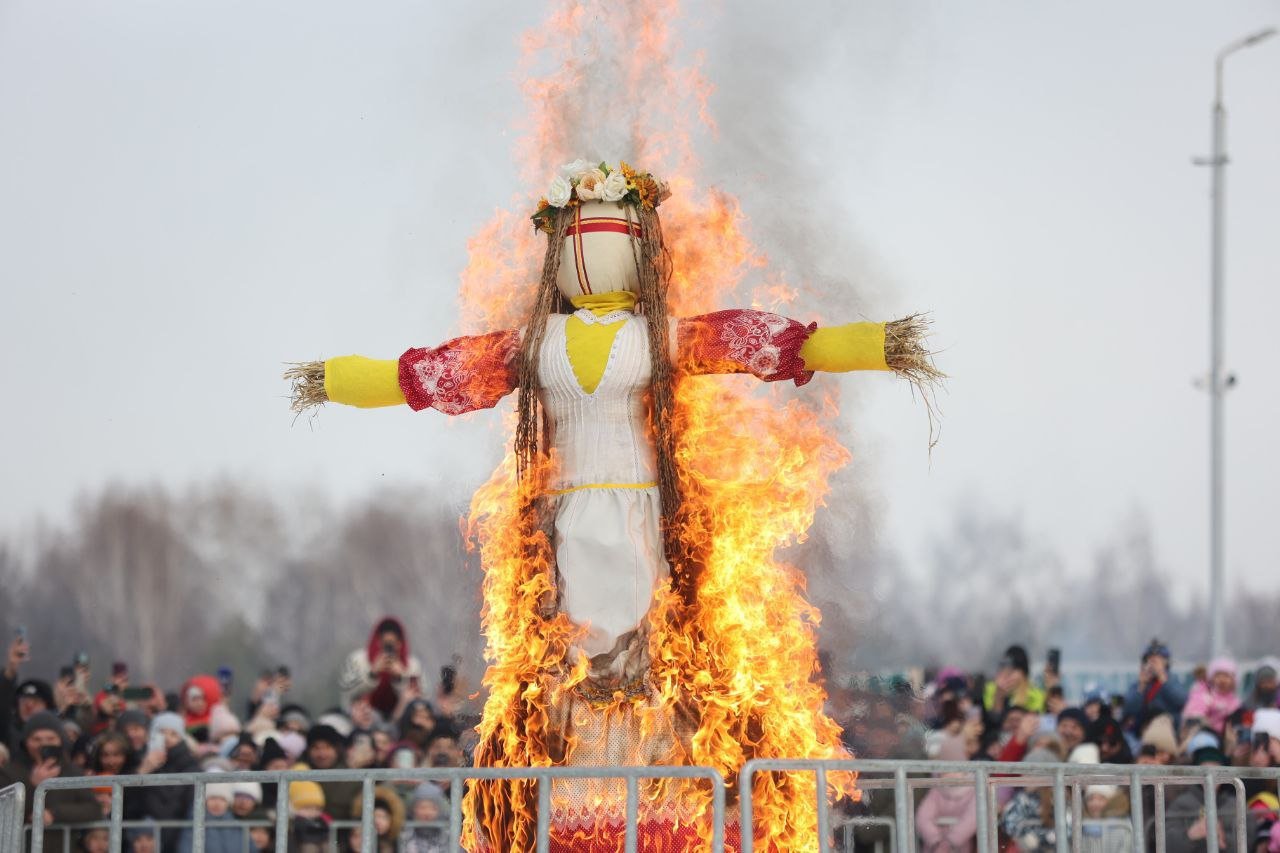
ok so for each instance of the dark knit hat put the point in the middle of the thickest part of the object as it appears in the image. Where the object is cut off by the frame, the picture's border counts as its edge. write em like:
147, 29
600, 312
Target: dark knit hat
271, 751
1156, 649
327, 734
132, 717
1208, 753
44, 721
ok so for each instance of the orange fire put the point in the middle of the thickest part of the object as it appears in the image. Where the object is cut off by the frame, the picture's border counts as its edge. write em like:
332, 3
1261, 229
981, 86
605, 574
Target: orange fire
754, 468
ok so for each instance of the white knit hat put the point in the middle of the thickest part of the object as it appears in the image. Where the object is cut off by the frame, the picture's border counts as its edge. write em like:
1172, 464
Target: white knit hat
253, 790
220, 790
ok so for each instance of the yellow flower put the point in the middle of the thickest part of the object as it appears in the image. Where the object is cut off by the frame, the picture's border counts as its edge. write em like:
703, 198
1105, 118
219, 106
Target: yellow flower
648, 189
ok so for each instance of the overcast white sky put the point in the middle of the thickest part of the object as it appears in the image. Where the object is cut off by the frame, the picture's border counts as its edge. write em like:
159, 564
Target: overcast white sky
192, 194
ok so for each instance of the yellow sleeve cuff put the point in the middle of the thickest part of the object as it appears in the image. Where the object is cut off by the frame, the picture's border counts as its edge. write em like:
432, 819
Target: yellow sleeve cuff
839, 349
364, 382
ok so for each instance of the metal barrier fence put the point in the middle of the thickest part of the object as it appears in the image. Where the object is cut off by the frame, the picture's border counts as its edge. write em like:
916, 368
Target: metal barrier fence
242, 829
905, 780
153, 828
455, 776
12, 801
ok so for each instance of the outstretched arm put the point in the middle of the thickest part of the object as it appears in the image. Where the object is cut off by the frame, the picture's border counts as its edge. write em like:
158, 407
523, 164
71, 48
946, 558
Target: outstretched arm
460, 375
772, 347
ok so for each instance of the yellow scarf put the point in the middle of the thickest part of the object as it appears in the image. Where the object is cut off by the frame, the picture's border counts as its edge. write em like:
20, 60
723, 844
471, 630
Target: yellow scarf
602, 303
589, 344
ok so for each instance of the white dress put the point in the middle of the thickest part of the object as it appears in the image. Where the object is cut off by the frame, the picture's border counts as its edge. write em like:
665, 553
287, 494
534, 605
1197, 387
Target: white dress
608, 546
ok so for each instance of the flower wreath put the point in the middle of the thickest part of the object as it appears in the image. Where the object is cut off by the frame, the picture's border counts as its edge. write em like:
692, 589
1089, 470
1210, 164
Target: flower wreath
581, 181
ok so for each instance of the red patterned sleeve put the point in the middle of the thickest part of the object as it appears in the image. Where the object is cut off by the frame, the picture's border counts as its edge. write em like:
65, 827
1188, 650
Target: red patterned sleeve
461, 375
744, 341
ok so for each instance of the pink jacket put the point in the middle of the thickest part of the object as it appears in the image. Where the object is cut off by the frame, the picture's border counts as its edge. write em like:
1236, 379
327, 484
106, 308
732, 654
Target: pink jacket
959, 825
1213, 708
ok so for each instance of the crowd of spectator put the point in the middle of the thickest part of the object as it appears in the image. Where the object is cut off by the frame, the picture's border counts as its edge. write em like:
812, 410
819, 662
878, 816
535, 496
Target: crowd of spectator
1214, 720
388, 716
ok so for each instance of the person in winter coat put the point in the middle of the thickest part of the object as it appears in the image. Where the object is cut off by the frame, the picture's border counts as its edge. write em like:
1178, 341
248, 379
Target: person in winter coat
1028, 817
207, 717
1264, 693
417, 723
946, 818
42, 755
388, 819
169, 753
1154, 693
1103, 803
221, 834
427, 805
310, 828
1188, 831
1012, 687
382, 669
135, 725
325, 748
1215, 699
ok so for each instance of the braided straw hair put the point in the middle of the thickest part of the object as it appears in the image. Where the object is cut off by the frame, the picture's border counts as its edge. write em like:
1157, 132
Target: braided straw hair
531, 426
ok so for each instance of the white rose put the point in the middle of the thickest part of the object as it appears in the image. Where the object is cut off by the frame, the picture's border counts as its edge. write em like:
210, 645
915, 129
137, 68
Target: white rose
590, 184
560, 191
576, 168
615, 187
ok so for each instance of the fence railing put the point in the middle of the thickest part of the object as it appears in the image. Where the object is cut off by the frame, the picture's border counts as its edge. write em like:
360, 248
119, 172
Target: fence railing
454, 776
240, 829
988, 779
905, 781
12, 801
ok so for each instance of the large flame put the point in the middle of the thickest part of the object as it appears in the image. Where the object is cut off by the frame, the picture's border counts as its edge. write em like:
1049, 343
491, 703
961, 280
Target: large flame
754, 467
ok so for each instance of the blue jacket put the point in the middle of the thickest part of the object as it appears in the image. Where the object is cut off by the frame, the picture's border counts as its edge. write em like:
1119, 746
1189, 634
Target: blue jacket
221, 835
1169, 699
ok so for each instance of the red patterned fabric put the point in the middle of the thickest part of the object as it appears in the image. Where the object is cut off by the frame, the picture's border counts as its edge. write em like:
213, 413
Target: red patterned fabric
744, 341
461, 375
652, 836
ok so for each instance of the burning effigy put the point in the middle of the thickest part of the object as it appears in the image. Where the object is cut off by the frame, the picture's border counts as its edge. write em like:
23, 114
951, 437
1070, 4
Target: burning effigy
635, 611
638, 608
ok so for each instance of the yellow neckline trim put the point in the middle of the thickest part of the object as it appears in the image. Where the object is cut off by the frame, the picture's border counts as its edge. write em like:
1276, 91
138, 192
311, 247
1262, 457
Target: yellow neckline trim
603, 486
605, 303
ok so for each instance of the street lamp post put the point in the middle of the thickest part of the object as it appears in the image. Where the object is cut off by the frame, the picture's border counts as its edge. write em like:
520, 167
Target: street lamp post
1218, 382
